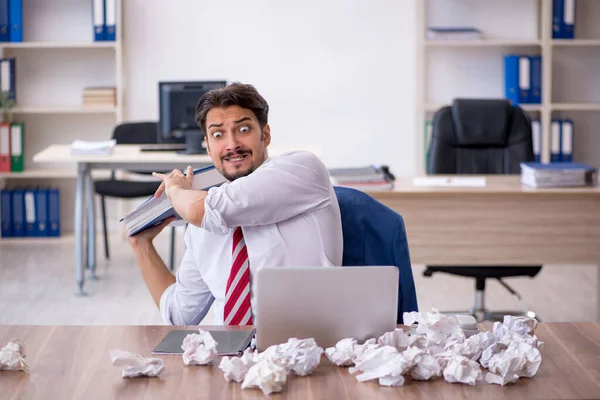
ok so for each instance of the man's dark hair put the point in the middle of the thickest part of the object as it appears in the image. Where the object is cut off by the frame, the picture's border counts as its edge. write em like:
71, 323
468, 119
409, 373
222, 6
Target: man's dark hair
238, 94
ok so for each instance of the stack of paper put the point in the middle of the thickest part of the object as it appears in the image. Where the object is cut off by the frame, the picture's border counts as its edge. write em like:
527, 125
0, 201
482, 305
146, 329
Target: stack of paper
84, 147
155, 210
362, 178
558, 174
453, 33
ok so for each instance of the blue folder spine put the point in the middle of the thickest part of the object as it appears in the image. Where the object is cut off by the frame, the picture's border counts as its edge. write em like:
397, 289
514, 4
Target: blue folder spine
511, 78
4, 24
568, 22
18, 208
54, 212
15, 20
6, 212
558, 11
30, 214
111, 19
536, 79
99, 20
41, 212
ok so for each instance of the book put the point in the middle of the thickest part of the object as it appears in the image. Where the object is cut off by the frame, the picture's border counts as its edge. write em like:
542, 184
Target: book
155, 210
558, 174
96, 148
453, 33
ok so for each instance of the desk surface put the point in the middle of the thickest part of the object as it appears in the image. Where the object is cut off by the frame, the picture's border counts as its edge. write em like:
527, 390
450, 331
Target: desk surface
73, 362
122, 153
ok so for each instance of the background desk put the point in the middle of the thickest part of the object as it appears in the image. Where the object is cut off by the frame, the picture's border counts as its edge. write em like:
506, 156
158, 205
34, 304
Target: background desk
503, 223
124, 157
72, 362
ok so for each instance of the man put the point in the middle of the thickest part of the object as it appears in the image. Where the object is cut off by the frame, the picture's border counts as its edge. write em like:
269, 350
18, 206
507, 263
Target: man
278, 212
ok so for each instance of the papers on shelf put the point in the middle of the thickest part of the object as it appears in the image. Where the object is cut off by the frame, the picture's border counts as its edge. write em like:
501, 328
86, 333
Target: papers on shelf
85, 147
434, 181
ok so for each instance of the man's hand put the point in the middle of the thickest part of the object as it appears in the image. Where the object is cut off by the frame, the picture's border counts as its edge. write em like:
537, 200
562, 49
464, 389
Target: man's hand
174, 180
145, 237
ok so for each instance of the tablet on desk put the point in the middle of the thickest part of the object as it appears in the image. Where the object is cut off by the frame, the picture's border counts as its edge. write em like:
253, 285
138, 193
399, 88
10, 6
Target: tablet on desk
229, 343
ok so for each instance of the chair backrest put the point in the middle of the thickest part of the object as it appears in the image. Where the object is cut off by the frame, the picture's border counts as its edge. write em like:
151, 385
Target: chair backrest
375, 235
136, 133
480, 136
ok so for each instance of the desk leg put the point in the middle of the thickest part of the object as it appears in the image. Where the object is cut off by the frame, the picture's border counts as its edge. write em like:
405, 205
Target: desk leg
79, 198
91, 224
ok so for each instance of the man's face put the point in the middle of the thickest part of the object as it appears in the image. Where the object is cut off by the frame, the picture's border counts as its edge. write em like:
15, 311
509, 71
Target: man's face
235, 142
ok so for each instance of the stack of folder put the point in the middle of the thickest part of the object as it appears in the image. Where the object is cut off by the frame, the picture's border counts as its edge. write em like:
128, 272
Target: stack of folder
523, 79
369, 178
558, 174
563, 19
104, 13
30, 212
12, 146
99, 97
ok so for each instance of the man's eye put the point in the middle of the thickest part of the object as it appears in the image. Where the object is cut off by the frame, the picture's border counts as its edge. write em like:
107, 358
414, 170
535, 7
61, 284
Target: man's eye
244, 129
217, 134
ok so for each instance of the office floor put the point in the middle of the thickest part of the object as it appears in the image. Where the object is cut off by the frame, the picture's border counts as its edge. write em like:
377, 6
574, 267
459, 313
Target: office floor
37, 287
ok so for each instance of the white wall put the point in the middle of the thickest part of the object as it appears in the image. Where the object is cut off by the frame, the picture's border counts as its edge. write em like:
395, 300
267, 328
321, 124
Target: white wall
338, 75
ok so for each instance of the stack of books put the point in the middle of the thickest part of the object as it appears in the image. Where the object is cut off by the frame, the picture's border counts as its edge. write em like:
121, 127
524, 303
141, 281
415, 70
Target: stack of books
453, 33
99, 97
155, 210
369, 178
559, 174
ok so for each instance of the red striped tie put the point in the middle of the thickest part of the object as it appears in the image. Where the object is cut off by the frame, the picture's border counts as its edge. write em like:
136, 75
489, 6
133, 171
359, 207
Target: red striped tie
237, 294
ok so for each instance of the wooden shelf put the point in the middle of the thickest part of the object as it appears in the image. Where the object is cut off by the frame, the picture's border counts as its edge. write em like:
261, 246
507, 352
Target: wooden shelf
576, 107
75, 109
430, 107
576, 42
482, 43
65, 173
59, 45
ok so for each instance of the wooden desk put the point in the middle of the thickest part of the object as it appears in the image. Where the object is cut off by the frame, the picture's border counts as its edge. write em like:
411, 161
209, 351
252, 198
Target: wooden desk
72, 362
504, 223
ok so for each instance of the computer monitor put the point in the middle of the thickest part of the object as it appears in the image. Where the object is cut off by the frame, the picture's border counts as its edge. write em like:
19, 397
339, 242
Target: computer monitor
177, 105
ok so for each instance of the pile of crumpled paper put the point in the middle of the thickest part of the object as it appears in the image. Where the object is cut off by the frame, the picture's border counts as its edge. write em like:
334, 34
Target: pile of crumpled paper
439, 347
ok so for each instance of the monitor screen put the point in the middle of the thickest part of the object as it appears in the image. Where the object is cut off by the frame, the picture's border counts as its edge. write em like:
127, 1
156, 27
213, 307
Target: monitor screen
177, 106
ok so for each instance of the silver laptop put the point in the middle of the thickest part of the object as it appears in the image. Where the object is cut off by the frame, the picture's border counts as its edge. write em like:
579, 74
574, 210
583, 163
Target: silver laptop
325, 303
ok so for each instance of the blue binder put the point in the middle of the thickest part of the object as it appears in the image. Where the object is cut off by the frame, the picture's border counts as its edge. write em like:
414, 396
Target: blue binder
4, 28
566, 140
99, 20
41, 212
536, 133
568, 22
15, 20
110, 7
54, 212
7, 77
511, 78
6, 213
558, 12
30, 214
555, 140
536, 79
18, 216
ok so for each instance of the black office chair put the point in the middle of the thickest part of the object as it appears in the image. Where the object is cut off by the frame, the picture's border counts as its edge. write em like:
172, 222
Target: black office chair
130, 133
481, 136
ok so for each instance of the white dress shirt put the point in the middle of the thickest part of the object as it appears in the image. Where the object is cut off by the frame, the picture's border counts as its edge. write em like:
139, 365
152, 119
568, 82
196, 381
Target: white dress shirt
289, 215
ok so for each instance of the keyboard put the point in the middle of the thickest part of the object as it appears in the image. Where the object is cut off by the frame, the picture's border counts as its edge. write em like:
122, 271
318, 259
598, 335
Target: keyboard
162, 147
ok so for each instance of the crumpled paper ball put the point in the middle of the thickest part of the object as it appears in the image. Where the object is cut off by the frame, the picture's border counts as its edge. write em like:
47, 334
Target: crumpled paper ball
342, 353
298, 356
199, 348
266, 375
236, 368
463, 370
135, 365
12, 357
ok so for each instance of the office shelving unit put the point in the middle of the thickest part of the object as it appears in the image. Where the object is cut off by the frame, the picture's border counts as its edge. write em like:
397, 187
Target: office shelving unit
57, 59
569, 66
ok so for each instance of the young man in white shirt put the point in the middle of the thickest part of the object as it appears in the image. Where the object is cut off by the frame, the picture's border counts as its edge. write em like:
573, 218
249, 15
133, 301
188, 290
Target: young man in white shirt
277, 212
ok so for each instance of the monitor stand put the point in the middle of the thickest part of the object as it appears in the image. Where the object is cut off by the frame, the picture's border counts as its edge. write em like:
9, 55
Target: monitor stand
194, 143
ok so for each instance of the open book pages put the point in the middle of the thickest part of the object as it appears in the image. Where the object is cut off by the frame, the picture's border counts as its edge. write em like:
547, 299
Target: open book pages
155, 210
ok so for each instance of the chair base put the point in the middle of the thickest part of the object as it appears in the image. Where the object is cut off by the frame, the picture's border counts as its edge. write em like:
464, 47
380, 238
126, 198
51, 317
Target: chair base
493, 316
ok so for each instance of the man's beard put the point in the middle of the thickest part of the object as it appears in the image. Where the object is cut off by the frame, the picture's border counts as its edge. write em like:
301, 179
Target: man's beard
240, 173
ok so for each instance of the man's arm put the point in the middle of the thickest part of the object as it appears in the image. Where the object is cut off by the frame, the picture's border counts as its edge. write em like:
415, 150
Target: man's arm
154, 271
